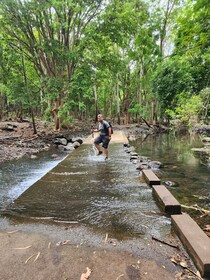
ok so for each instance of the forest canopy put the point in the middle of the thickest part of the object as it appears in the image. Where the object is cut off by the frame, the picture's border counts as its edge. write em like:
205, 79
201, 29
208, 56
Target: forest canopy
128, 59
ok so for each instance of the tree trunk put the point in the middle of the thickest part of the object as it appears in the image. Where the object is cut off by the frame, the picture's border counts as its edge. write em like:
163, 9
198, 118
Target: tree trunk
96, 102
117, 100
27, 91
55, 111
33, 121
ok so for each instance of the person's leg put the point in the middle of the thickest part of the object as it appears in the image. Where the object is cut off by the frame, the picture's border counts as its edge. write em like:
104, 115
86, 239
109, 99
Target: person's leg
105, 146
106, 152
97, 141
99, 149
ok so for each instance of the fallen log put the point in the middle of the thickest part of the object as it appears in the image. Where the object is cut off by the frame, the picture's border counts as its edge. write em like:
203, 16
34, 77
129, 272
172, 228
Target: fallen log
197, 208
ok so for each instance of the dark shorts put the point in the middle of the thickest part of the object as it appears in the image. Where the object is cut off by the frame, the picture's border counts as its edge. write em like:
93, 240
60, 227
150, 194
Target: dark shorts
102, 139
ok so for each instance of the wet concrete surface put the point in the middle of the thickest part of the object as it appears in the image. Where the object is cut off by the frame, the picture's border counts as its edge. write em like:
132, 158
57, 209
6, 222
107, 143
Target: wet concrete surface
84, 198
104, 195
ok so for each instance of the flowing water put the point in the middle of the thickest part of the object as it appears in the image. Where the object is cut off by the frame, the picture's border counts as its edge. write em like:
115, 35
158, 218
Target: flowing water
16, 176
106, 196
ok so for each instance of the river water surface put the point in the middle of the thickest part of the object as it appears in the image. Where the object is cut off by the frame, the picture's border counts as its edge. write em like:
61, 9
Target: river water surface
108, 196
190, 171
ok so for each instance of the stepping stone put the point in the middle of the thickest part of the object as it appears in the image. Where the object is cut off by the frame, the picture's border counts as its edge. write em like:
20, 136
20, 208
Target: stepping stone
166, 200
150, 177
196, 242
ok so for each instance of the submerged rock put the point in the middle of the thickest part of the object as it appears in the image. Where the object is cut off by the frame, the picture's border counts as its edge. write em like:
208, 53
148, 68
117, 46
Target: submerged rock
155, 164
170, 184
143, 165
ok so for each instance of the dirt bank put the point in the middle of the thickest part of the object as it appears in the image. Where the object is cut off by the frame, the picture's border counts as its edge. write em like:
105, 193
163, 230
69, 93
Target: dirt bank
17, 139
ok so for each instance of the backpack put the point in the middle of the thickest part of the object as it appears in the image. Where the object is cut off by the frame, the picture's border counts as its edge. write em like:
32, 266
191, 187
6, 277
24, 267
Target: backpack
106, 129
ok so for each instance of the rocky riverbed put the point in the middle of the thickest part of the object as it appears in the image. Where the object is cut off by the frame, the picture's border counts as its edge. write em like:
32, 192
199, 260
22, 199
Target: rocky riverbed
17, 139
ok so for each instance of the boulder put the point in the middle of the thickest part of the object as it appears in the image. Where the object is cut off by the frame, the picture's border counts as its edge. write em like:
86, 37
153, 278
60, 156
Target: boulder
79, 140
143, 165
9, 127
155, 164
76, 144
69, 147
143, 159
133, 158
60, 147
60, 141
134, 154
130, 149
33, 156
125, 145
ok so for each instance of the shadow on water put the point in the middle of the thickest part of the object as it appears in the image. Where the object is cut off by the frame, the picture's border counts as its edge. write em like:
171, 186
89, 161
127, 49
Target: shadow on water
86, 190
189, 171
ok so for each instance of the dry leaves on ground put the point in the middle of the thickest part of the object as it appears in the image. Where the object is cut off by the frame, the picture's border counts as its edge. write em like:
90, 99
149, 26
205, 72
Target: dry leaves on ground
207, 230
86, 275
23, 248
65, 242
110, 240
36, 258
178, 260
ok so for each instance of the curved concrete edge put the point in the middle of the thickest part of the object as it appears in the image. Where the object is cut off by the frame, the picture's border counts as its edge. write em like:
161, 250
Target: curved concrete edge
195, 241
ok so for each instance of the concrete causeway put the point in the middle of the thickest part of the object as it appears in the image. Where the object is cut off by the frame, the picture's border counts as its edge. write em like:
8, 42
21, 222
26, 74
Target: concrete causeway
86, 190
109, 196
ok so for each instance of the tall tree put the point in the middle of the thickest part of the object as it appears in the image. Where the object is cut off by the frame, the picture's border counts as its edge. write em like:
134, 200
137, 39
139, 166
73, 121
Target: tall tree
51, 35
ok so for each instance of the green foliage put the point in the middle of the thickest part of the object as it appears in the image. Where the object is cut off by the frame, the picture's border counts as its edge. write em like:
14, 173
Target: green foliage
188, 108
205, 97
79, 53
172, 78
138, 110
192, 40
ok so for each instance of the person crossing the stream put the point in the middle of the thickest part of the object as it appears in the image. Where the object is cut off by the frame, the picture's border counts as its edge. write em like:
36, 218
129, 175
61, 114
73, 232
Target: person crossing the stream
104, 137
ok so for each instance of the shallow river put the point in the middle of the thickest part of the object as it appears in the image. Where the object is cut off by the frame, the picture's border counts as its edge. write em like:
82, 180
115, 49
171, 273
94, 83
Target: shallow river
189, 171
127, 208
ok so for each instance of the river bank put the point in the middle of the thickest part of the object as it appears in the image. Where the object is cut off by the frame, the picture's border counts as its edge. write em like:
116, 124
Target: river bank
17, 139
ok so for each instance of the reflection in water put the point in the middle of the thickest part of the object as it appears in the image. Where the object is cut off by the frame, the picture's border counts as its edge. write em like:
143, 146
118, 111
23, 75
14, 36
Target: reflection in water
189, 170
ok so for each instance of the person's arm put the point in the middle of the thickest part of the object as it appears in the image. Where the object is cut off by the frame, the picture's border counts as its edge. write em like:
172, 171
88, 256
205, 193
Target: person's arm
94, 130
109, 132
